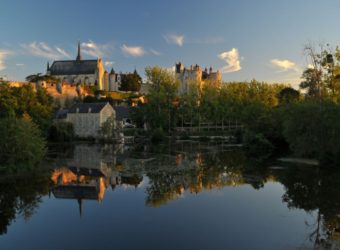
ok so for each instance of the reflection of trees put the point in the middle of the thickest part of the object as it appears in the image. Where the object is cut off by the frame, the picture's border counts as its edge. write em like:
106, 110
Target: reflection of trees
20, 195
313, 190
197, 172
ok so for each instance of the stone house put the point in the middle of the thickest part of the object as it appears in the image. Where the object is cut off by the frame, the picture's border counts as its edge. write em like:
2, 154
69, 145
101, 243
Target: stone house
88, 118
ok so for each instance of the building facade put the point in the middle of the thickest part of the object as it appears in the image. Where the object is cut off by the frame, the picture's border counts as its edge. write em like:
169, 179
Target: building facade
195, 75
87, 72
88, 118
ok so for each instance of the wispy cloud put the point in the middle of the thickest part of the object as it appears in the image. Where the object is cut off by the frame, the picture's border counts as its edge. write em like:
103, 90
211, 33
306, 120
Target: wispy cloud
155, 52
135, 51
284, 65
174, 39
3, 56
109, 63
232, 59
96, 50
19, 64
42, 49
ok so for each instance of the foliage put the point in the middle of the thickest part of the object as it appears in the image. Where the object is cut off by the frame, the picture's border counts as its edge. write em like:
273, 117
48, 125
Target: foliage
159, 111
257, 145
322, 77
16, 101
313, 130
158, 135
288, 95
61, 132
21, 143
109, 127
131, 82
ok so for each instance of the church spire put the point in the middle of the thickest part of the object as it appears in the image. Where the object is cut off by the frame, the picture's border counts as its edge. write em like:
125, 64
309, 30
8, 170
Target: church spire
48, 66
80, 204
79, 56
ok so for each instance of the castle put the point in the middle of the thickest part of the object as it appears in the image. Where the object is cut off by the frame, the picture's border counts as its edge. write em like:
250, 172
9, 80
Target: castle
195, 75
87, 72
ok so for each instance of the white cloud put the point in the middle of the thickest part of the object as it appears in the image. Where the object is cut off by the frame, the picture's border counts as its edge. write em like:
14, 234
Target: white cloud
96, 50
42, 49
135, 51
174, 39
19, 64
232, 59
284, 65
3, 55
109, 63
155, 52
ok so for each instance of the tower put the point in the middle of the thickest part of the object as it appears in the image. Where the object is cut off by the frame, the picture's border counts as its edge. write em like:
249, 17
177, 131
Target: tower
79, 55
48, 69
112, 81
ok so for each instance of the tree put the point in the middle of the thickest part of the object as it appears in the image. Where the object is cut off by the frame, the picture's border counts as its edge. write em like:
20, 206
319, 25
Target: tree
312, 83
35, 78
131, 82
322, 77
109, 127
21, 143
160, 101
288, 95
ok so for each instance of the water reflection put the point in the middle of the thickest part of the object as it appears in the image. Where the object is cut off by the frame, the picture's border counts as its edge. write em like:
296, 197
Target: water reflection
21, 195
90, 171
166, 173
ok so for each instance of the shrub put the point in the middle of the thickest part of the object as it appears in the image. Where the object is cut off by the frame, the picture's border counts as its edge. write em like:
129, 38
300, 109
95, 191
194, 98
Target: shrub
257, 146
21, 143
62, 132
158, 135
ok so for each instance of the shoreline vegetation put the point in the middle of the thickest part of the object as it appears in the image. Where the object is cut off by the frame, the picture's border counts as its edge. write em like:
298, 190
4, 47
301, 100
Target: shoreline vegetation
267, 119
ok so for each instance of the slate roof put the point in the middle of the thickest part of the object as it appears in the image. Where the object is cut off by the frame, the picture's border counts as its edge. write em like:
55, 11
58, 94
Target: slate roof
61, 114
122, 112
84, 107
73, 67
75, 192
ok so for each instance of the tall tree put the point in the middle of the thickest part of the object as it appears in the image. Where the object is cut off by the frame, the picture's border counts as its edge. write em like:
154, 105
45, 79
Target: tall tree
131, 82
160, 100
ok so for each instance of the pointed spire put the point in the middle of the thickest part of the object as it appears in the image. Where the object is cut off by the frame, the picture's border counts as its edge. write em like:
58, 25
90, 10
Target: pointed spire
80, 204
112, 71
79, 55
48, 66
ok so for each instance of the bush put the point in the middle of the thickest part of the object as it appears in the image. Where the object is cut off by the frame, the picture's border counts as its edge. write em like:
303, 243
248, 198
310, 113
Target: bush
21, 143
61, 132
158, 135
257, 146
312, 129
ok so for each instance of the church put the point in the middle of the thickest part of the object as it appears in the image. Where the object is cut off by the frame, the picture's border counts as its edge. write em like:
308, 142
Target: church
86, 72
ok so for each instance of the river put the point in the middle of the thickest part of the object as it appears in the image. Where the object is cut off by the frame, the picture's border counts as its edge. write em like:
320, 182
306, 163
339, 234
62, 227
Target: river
185, 195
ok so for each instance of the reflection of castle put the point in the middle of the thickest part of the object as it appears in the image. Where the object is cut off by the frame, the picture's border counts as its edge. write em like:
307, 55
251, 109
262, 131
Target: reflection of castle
87, 176
195, 75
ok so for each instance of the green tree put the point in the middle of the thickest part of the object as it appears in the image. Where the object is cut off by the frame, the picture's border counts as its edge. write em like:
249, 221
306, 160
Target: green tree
288, 95
21, 143
131, 82
108, 128
312, 130
160, 101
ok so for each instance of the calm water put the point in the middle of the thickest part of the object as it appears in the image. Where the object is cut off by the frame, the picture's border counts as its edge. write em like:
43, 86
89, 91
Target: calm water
179, 196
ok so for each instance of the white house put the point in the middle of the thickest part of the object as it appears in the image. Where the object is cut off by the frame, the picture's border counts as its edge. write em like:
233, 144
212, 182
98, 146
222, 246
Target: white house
88, 118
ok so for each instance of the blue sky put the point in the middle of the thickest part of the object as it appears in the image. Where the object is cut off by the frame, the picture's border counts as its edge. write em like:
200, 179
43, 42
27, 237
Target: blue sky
245, 39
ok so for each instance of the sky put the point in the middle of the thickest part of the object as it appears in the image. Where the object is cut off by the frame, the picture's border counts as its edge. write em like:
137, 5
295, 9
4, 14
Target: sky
244, 39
